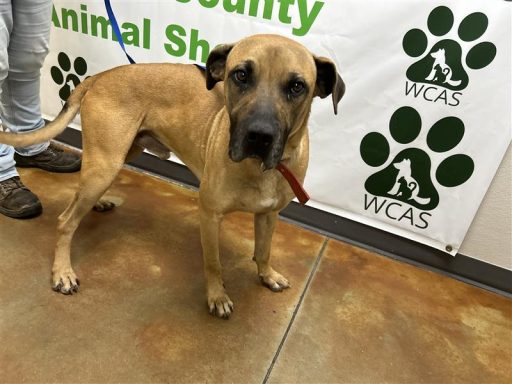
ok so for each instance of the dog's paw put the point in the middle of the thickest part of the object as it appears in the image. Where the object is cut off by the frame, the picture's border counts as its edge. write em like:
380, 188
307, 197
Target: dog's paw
65, 282
220, 305
275, 281
104, 205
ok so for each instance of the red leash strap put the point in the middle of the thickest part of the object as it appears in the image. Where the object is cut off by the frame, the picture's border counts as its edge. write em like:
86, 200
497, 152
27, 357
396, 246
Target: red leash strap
297, 188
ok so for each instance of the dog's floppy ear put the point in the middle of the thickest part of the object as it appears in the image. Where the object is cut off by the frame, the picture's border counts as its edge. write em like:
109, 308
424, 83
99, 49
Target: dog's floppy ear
328, 81
216, 64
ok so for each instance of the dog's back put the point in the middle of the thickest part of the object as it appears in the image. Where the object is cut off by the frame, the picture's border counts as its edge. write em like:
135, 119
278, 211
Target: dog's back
160, 97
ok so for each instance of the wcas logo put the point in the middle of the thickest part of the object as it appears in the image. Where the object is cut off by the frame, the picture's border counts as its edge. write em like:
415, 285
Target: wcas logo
406, 180
443, 71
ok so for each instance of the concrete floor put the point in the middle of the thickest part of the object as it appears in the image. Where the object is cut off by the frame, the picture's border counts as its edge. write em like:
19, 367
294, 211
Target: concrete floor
351, 316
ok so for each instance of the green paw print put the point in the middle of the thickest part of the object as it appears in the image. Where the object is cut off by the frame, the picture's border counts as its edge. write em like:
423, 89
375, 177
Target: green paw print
407, 177
442, 65
70, 81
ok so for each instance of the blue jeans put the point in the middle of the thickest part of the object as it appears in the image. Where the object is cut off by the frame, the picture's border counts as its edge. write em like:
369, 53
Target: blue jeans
24, 38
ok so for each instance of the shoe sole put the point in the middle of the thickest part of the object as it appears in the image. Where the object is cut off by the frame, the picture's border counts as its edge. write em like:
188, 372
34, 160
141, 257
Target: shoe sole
27, 213
75, 167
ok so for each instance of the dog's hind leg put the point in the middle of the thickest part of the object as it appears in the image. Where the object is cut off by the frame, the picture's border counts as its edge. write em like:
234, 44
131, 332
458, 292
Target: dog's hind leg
94, 181
101, 162
264, 225
107, 203
142, 141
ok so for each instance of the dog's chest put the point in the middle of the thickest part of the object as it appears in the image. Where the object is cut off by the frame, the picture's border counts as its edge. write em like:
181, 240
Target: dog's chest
268, 204
265, 195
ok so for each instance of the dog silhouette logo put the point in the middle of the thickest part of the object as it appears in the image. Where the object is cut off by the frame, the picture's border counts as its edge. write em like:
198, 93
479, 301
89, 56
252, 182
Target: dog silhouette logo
406, 187
441, 73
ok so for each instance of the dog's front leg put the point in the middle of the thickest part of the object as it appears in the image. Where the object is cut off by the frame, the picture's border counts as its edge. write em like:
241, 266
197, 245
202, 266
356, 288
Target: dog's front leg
432, 74
218, 301
396, 188
264, 225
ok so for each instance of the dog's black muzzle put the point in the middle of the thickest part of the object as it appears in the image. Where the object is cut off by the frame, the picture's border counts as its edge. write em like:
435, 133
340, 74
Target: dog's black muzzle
258, 137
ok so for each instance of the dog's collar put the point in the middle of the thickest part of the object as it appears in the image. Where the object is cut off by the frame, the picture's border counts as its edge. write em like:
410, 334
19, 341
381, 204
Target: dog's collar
297, 188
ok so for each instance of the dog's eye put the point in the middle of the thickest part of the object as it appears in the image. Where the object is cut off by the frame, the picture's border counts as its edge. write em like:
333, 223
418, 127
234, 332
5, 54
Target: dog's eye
297, 87
241, 76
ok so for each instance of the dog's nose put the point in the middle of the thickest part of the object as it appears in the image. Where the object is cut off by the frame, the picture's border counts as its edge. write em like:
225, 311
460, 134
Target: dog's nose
259, 139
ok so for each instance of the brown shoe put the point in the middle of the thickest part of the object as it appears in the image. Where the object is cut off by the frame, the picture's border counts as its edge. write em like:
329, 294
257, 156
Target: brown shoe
52, 159
17, 201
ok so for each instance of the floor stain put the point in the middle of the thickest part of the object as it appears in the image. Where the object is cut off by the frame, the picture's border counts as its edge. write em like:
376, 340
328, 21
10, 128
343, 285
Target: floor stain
141, 313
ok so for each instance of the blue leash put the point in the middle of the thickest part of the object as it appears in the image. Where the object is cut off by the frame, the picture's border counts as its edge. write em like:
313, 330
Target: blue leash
117, 32
115, 28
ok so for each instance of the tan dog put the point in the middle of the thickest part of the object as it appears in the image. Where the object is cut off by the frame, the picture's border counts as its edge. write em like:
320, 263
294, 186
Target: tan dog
231, 137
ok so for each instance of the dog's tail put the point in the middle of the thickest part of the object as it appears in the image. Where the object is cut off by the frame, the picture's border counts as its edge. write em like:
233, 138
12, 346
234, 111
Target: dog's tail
52, 129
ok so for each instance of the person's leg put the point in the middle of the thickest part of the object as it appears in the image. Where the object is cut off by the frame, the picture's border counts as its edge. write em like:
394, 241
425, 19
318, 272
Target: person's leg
24, 39
24, 46
15, 199
7, 169
27, 49
20, 99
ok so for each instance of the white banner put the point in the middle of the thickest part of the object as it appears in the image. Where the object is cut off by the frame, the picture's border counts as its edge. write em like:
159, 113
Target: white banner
426, 118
